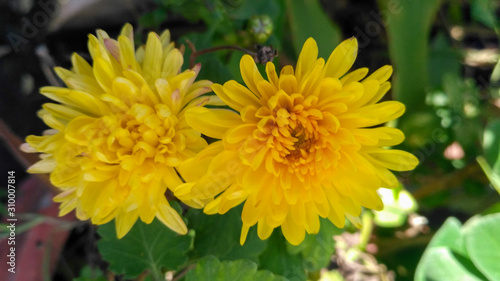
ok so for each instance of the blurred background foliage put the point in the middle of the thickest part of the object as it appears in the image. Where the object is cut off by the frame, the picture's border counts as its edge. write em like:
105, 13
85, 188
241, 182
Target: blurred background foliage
441, 224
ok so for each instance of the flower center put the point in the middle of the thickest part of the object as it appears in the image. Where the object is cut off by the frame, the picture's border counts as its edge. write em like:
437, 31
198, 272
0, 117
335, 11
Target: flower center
141, 133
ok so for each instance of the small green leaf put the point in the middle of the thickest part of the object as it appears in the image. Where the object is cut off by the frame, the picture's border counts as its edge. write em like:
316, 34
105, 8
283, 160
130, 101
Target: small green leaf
147, 246
308, 19
278, 260
211, 269
483, 245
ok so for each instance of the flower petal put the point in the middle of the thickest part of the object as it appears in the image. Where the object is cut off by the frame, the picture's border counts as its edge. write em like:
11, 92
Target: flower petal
212, 122
307, 58
342, 58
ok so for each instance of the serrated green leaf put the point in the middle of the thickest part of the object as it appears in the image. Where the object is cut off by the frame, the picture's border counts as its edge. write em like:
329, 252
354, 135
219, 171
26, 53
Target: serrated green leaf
308, 19
483, 245
278, 260
317, 249
211, 269
219, 235
151, 247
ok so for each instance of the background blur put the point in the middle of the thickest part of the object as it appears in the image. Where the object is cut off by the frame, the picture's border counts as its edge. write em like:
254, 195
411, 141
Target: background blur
445, 55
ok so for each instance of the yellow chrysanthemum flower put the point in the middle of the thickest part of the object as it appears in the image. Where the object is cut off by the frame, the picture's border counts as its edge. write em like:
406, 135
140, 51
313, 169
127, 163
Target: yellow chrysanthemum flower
120, 130
299, 145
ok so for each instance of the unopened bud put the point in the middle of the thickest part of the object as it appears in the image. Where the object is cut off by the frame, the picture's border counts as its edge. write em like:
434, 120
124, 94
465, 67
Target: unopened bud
261, 27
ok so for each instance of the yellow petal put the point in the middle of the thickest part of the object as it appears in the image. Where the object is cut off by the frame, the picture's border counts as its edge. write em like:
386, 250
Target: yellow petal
293, 233
173, 63
80, 65
396, 160
383, 89
244, 233
169, 217
236, 95
151, 65
124, 222
307, 58
212, 122
127, 54
381, 136
272, 76
354, 76
104, 73
250, 73
43, 166
264, 230
382, 74
128, 31
342, 58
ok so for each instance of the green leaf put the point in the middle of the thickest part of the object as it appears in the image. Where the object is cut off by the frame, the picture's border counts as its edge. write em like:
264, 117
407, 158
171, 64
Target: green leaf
219, 235
491, 144
308, 19
317, 249
214, 70
449, 236
153, 19
255, 7
495, 74
90, 274
490, 162
447, 257
408, 24
147, 246
278, 260
443, 59
211, 269
483, 11
483, 245
441, 263
493, 177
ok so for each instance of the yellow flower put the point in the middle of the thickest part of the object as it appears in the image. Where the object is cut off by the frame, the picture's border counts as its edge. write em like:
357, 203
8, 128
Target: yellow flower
119, 130
300, 145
